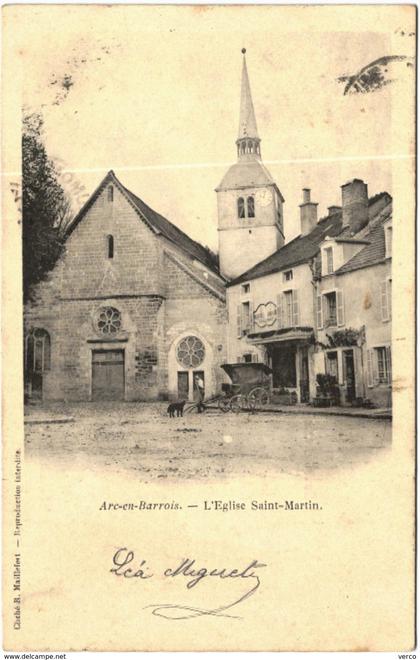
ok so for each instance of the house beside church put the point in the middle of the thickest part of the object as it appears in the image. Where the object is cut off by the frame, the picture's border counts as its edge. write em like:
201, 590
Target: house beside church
354, 298
322, 304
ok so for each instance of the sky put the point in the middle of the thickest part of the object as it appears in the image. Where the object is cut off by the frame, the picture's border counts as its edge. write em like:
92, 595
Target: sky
153, 93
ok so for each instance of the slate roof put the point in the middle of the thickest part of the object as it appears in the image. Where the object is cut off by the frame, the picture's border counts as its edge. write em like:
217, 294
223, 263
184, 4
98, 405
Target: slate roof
298, 251
173, 233
246, 173
303, 248
373, 253
155, 221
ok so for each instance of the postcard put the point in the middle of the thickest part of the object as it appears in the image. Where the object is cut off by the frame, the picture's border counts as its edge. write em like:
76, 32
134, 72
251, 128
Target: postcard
208, 327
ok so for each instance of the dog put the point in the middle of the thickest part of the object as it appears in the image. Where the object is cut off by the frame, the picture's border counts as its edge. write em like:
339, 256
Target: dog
176, 407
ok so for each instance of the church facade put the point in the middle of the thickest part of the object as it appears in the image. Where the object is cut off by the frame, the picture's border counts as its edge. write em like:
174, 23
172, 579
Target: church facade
134, 310
137, 310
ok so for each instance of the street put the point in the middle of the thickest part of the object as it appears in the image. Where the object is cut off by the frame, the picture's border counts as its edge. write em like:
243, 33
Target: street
141, 437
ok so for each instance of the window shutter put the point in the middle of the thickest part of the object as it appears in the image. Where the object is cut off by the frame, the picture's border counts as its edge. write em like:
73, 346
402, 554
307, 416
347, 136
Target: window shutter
384, 301
325, 311
389, 364
319, 312
280, 310
255, 357
251, 324
370, 367
340, 308
239, 358
389, 297
239, 320
295, 302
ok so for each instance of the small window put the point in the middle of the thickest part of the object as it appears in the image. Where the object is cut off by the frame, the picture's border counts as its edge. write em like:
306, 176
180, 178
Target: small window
329, 260
331, 309
383, 365
110, 193
247, 357
246, 288
287, 276
38, 351
251, 207
241, 207
110, 247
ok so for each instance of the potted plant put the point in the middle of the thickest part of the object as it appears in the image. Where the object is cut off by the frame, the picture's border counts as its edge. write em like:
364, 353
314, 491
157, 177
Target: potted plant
327, 391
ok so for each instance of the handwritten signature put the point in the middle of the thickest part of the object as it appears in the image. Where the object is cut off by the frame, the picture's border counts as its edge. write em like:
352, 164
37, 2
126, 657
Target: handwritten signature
125, 566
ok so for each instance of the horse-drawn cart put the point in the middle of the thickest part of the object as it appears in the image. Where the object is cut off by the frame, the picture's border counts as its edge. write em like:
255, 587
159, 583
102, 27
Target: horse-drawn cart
250, 388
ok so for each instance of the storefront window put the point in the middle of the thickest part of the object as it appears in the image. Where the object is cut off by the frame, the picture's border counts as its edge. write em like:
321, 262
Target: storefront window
332, 364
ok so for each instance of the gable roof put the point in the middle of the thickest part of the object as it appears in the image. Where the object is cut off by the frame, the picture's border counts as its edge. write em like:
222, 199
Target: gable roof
302, 249
156, 222
373, 253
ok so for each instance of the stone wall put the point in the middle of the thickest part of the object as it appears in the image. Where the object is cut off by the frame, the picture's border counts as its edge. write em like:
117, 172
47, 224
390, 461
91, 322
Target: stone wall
159, 297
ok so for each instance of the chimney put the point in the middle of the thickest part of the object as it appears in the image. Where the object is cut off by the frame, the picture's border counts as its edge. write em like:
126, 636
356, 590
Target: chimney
355, 205
308, 213
333, 209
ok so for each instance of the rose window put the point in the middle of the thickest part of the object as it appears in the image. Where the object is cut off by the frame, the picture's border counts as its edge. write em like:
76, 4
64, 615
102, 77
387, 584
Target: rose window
190, 352
109, 321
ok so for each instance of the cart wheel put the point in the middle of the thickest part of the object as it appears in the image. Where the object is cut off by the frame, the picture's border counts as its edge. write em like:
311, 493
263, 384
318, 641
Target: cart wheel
260, 396
264, 398
236, 403
224, 404
251, 404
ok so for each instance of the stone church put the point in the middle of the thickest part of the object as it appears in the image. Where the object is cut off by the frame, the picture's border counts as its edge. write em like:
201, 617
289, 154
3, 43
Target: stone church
133, 310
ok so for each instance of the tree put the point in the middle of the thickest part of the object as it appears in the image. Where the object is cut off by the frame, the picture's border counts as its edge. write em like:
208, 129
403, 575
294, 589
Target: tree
45, 207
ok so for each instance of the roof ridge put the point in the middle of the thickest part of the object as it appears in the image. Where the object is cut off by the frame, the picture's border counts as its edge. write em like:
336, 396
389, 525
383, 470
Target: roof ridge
171, 223
155, 221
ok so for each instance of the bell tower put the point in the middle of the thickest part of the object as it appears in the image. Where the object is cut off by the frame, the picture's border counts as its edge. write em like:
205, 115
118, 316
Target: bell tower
250, 205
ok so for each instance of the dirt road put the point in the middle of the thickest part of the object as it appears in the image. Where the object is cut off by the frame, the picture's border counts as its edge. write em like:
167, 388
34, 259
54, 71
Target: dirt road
140, 437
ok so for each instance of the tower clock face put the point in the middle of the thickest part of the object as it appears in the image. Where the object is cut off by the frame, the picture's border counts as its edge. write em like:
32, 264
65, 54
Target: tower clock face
264, 196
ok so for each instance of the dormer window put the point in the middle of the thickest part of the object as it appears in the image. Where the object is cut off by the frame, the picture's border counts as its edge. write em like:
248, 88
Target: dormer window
388, 241
251, 207
110, 193
110, 241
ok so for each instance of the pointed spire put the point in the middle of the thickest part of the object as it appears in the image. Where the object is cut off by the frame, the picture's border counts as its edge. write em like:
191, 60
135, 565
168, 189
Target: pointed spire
248, 142
247, 121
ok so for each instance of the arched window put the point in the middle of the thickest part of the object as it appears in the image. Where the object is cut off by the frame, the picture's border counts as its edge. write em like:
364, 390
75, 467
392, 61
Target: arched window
38, 351
110, 247
241, 207
250, 207
110, 194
